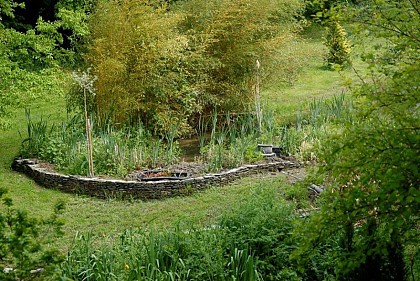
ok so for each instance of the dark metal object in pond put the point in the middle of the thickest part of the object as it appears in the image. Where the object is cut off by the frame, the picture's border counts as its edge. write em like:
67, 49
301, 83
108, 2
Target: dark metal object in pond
278, 151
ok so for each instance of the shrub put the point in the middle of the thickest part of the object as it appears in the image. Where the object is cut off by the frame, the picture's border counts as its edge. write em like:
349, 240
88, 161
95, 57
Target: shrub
264, 224
339, 49
25, 243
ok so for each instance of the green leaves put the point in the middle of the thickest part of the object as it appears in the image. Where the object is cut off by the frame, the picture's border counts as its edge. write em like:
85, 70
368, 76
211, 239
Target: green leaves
29, 58
339, 49
140, 61
24, 243
373, 167
158, 66
7, 8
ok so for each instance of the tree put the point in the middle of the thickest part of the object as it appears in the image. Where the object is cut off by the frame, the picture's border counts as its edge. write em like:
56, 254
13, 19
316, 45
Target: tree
29, 58
338, 46
372, 166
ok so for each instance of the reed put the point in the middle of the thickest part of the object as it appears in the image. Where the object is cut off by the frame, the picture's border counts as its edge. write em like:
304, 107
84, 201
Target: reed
232, 141
143, 255
116, 152
251, 241
37, 133
312, 123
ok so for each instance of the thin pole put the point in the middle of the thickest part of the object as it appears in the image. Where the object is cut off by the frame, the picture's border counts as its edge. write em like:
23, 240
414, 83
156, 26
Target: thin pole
88, 138
257, 97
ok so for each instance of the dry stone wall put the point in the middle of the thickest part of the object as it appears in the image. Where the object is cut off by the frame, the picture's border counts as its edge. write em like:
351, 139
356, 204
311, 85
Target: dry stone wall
106, 188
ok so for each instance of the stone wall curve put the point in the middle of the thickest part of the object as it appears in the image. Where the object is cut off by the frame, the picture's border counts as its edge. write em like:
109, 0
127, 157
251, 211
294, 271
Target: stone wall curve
145, 190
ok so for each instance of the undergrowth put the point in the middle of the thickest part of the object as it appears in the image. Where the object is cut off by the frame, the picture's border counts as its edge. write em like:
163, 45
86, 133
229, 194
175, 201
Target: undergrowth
254, 241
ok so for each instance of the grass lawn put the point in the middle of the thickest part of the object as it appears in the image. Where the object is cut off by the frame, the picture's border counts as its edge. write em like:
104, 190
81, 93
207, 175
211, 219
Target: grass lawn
107, 218
314, 81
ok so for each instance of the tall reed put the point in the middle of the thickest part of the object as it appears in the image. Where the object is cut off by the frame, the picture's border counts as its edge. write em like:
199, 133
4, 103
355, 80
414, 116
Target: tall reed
313, 122
117, 151
232, 142
37, 133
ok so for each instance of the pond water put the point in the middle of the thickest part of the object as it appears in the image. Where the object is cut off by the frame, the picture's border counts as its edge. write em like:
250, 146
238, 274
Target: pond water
190, 148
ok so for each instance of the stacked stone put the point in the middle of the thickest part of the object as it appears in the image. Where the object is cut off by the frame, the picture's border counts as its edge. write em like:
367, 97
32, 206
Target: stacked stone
146, 190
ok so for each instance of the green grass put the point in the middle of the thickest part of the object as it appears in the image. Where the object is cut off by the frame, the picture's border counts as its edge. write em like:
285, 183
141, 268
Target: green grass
108, 218
313, 81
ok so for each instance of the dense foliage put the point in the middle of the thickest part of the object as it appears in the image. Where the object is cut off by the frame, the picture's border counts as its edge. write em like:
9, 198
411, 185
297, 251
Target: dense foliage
25, 251
372, 166
252, 242
230, 36
32, 50
166, 67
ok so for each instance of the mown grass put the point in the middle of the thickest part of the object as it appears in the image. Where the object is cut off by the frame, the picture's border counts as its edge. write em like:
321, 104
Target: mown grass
107, 218
314, 81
